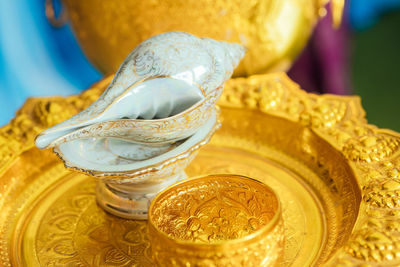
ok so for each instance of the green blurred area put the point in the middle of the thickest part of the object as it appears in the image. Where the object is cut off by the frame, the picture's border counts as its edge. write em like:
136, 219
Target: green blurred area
376, 71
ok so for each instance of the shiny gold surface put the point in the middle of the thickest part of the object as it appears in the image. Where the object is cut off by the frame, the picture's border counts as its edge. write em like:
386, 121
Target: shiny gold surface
336, 176
274, 31
216, 220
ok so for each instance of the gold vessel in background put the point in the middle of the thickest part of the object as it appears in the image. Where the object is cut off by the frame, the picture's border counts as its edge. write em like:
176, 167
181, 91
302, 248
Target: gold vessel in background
274, 31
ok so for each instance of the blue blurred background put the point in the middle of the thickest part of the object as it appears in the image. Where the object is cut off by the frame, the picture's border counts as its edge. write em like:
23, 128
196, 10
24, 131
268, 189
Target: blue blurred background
37, 59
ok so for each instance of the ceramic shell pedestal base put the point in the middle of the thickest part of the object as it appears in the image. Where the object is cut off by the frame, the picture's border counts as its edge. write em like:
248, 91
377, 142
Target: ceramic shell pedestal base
131, 201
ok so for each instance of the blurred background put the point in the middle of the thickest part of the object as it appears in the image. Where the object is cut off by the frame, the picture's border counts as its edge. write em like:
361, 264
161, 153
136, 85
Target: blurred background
38, 58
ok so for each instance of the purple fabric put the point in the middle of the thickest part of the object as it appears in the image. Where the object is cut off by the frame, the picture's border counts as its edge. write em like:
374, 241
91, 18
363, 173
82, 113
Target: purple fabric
323, 67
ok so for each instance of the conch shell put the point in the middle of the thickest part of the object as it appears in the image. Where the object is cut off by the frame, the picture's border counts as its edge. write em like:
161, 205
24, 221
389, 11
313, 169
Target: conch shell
161, 93
147, 126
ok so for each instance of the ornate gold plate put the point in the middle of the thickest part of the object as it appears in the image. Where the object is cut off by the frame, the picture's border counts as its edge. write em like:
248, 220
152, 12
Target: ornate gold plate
336, 176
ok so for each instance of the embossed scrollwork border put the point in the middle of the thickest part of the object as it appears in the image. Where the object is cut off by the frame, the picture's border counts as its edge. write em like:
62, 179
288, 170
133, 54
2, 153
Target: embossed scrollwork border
372, 152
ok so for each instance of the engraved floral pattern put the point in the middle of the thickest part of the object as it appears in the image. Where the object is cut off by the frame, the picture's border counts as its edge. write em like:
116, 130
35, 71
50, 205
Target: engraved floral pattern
76, 232
214, 210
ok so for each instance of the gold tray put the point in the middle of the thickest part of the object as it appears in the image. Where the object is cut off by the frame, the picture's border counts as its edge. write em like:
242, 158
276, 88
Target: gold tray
337, 178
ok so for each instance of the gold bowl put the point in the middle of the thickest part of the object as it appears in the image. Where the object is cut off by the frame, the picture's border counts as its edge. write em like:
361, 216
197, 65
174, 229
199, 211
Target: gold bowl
216, 220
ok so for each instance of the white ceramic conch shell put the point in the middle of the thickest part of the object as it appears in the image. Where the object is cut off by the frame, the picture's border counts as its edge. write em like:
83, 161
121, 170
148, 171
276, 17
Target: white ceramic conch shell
162, 83
149, 123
